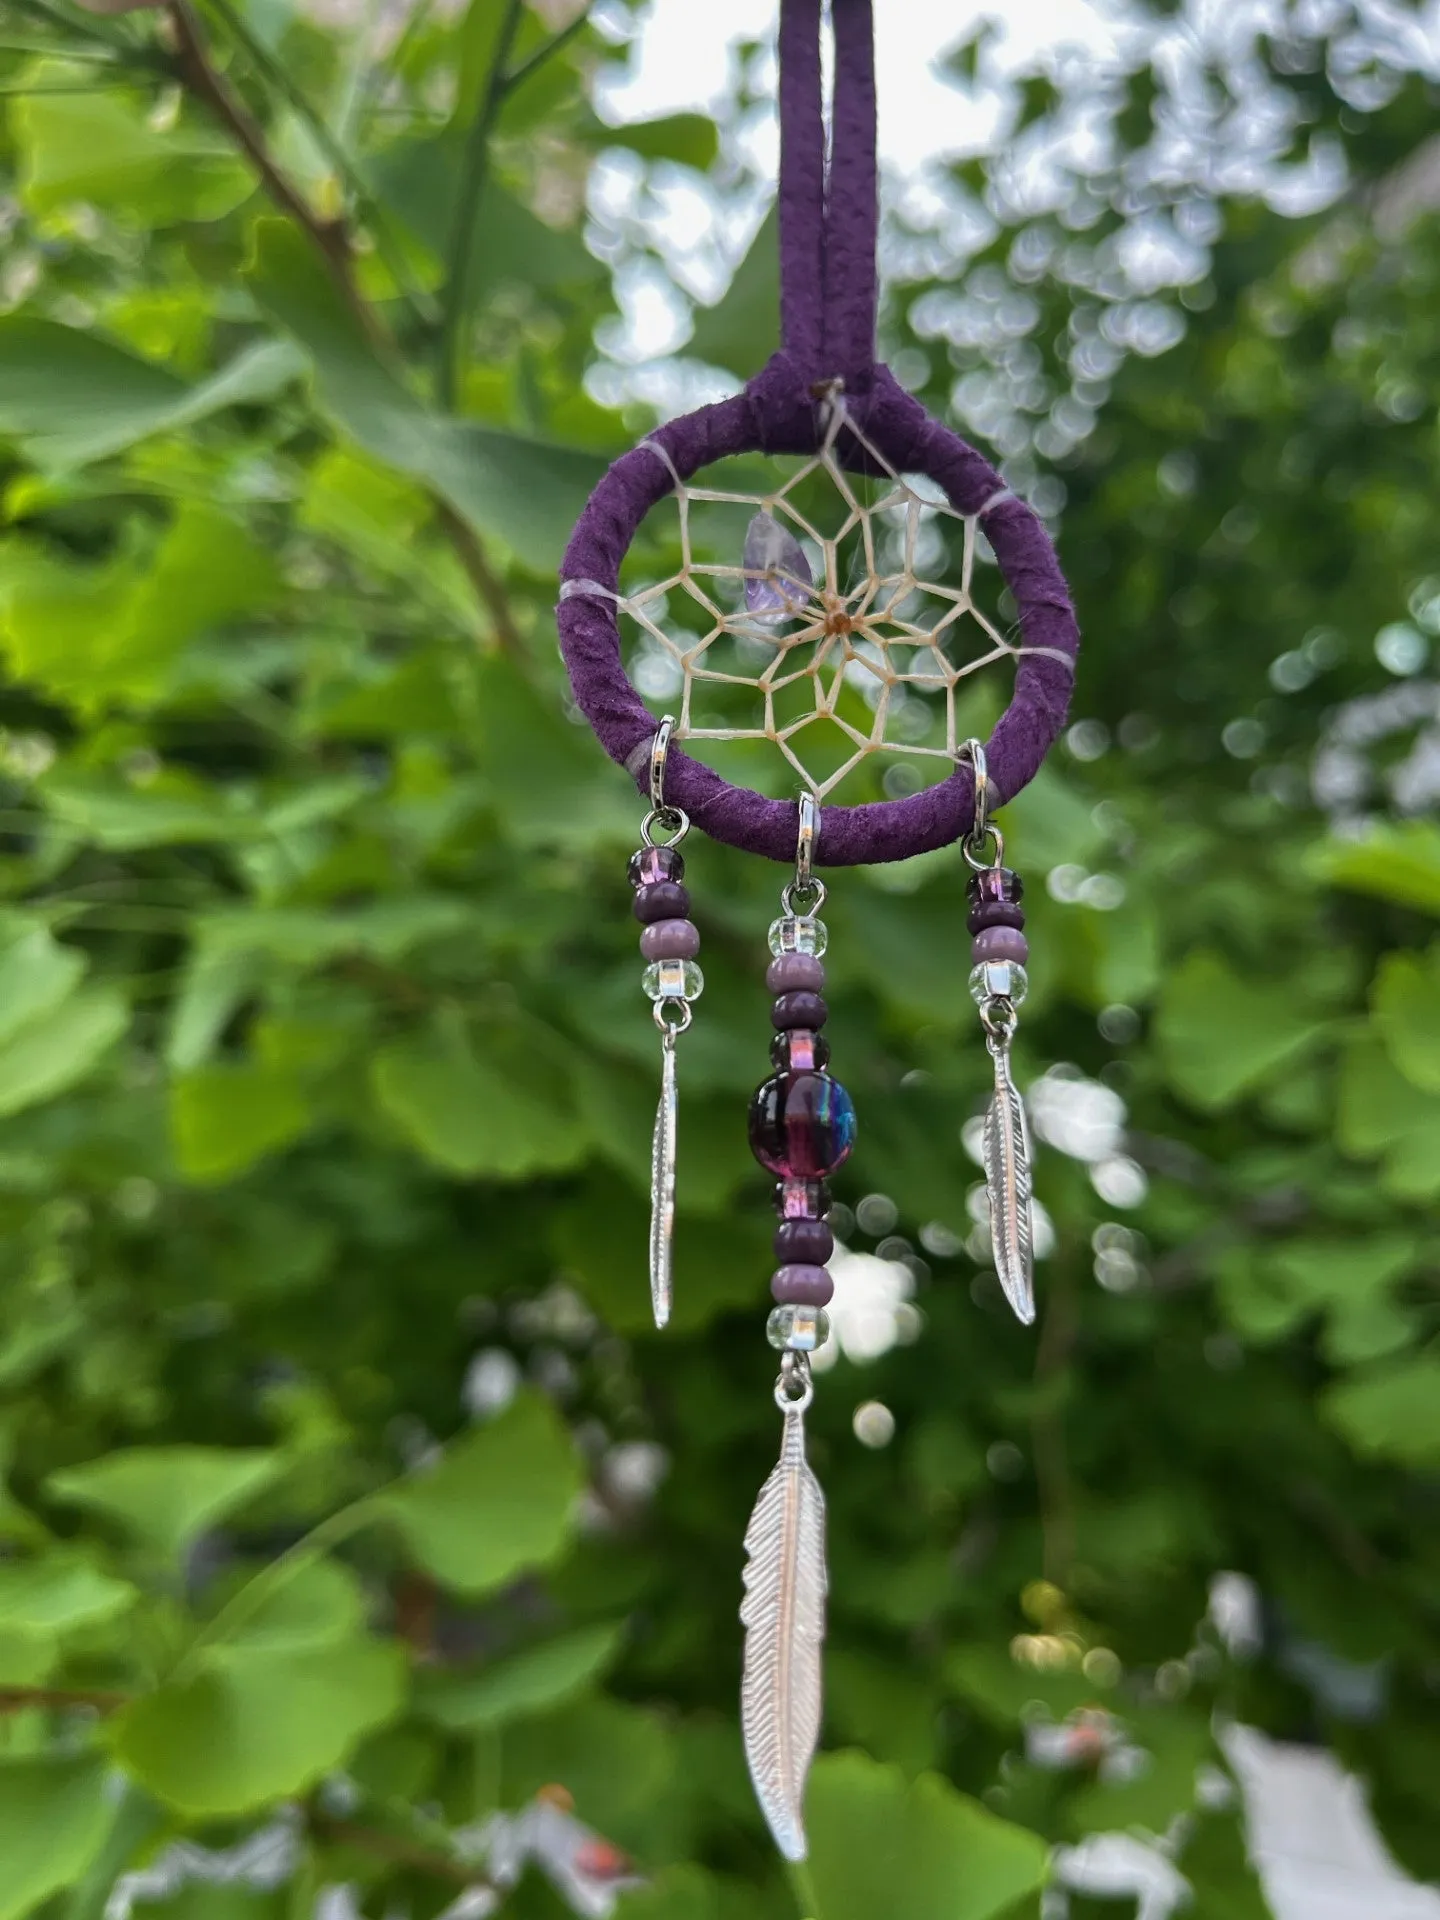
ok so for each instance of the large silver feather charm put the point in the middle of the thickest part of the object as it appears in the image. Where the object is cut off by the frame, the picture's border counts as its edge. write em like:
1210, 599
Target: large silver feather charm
1007, 1187
783, 1613
662, 1186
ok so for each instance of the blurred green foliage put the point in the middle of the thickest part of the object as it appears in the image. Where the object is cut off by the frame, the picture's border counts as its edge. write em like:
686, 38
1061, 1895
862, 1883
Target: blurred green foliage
325, 1083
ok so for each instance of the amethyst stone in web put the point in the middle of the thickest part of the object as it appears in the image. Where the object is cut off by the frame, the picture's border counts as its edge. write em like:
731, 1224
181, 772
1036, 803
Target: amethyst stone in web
780, 573
802, 1125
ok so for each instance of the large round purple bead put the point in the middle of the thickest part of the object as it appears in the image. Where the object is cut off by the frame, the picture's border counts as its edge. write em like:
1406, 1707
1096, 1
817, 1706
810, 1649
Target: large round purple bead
802, 1125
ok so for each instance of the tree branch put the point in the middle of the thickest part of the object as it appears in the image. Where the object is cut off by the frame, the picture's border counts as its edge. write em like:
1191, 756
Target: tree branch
455, 295
486, 582
19, 1699
329, 236
551, 47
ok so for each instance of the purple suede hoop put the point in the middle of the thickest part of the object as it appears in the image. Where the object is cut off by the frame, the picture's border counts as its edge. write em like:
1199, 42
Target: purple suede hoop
827, 251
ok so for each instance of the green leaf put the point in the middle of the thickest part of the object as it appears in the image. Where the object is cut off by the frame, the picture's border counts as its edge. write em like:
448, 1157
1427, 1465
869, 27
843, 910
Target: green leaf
528, 1682
53, 1594
100, 149
52, 1053
165, 1496
169, 812
883, 1849
226, 1117
690, 139
1397, 863
72, 397
36, 974
1380, 1111
54, 1816
253, 1726
1406, 1003
742, 330
1222, 1034
494, 1113
523, 492
315, 1605
1391, 1412
499, 1502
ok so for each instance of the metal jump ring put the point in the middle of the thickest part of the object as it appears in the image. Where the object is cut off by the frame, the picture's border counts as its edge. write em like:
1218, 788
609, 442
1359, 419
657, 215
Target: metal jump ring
674, 820
982, 830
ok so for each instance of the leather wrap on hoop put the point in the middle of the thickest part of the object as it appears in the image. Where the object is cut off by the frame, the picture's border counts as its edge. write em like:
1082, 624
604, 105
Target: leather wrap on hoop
827, 245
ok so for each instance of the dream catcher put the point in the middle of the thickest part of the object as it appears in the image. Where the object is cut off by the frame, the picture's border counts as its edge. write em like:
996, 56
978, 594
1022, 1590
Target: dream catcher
817, 617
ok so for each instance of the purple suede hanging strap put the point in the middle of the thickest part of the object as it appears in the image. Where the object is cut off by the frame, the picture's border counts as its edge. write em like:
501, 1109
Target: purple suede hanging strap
828, 217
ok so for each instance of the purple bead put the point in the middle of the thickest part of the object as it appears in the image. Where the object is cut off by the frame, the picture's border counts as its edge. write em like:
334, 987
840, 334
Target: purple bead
799, 1010
809, 1241
996, 883
1000, 943
652, 864
802, 1199
994, 913
670, 940
795, 970
800, 1050
802, 1124
662, 900
802, 1286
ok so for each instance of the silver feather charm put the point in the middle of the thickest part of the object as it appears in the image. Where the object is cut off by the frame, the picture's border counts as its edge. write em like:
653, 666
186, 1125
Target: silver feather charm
1007, 1188
783, 1613
662, 1185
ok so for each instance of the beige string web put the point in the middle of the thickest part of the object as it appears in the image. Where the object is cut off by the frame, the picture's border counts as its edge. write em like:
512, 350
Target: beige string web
861, 652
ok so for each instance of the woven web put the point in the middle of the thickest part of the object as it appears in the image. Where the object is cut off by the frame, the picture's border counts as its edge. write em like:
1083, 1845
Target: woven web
876, 632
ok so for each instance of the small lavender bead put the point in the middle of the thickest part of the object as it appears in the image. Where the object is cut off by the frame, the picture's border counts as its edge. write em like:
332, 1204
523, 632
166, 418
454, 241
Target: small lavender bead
802, 1286
794, 970
995, 883
1000, 943
797, 1050
799, 1010
995, 913
802, 1199
670, 940
808, 1241
652, 864
665, 900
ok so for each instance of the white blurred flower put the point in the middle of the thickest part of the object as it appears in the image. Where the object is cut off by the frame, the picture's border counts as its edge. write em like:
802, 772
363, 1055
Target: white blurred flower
871, 1310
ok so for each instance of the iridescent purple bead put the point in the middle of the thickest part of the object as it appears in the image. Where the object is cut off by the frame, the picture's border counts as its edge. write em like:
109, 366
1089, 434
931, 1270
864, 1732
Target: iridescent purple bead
802, 1124
802, 1286
809, 1241
800, 1050
652, 864
999, 943
794, 971
802, 1199
670, 940
994, 913
662, 900
996, 883
799, 1010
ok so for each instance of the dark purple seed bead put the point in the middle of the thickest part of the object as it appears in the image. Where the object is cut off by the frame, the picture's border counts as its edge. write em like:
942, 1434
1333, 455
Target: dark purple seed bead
802, 1199
999, 943
809, 1241
652, 864
802, 1286
670, 940
995, 913
800, 1050
996, 883
664, 900
795, 970
799, 1010
802, 1125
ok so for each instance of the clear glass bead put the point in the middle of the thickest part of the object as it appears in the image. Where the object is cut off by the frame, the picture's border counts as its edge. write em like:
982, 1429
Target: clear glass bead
673, 980
999, 980
798, 1329
794, 933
